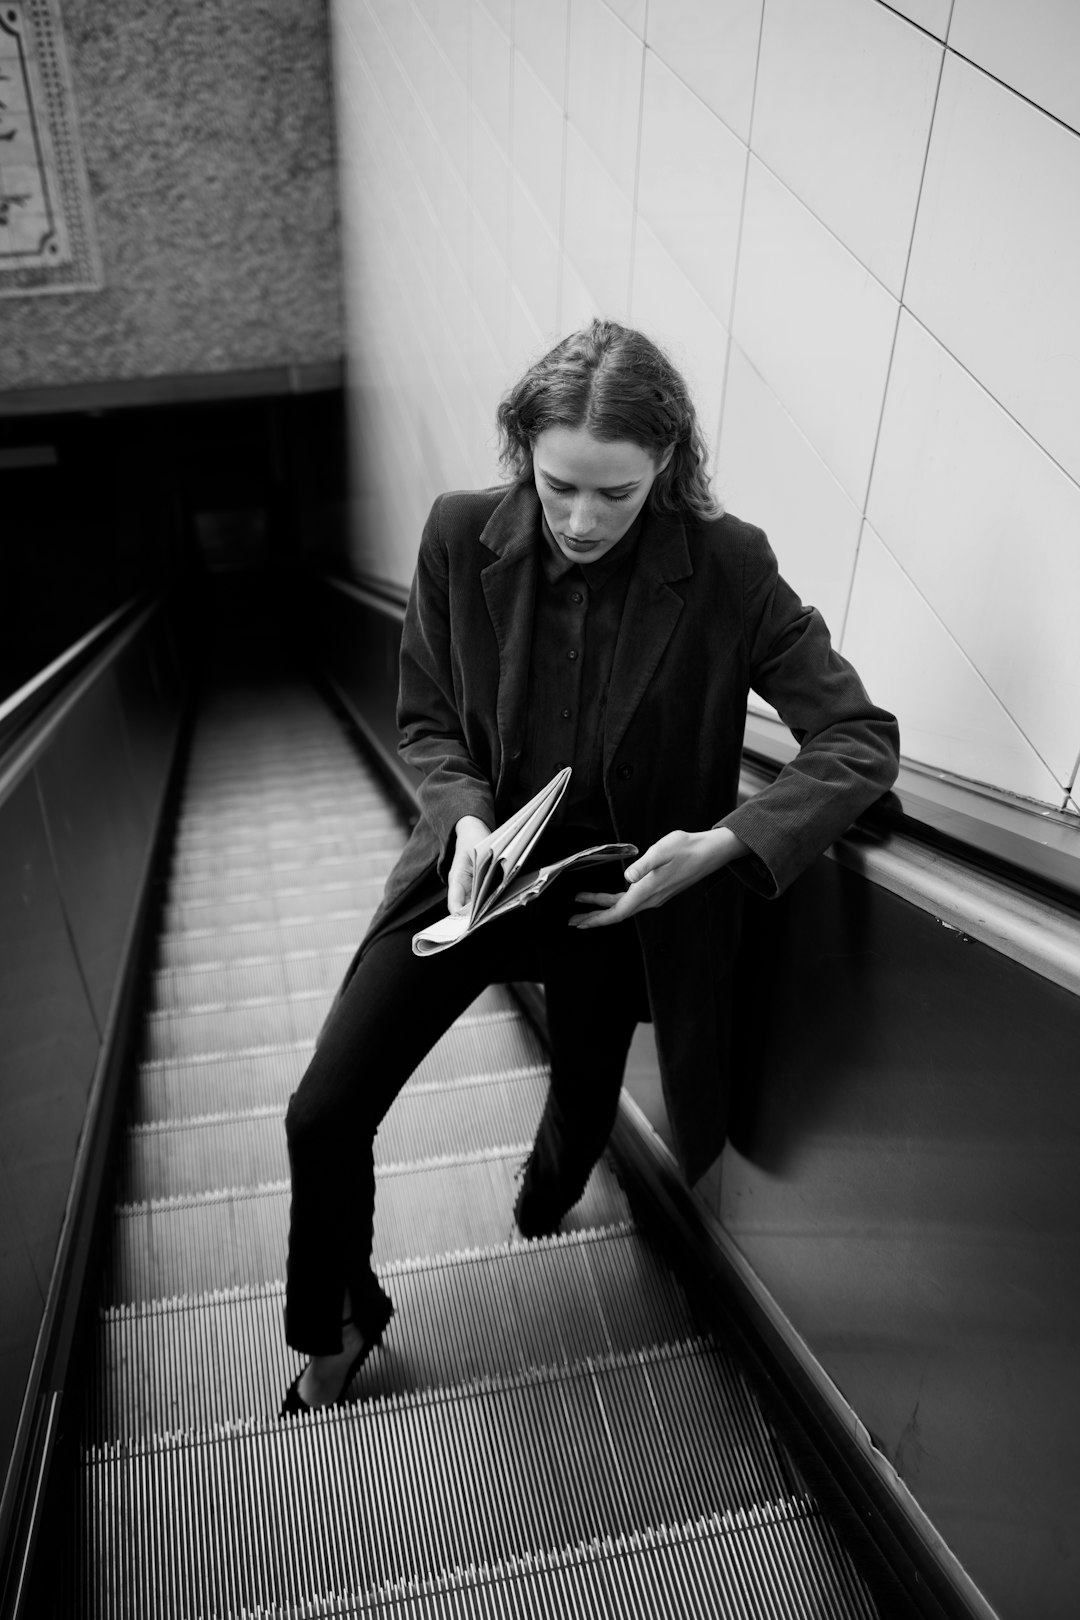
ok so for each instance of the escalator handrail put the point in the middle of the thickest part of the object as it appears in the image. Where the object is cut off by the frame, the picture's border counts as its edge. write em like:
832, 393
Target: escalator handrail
1028, 925
1030, 842
383, 595
31, 692
30, 716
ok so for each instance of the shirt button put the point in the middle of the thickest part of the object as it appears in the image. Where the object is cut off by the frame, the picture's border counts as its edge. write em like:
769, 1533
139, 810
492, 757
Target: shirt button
565, 713
572, 654
625, 772
576, 596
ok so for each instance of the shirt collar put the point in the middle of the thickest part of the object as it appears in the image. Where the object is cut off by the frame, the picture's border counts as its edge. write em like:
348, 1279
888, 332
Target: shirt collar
556, 564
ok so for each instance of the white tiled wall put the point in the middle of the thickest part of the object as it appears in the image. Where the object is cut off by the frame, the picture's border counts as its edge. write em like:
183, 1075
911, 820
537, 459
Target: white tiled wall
856, 226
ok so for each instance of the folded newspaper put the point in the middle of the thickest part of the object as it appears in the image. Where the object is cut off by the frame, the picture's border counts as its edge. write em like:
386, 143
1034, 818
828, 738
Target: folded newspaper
499, 883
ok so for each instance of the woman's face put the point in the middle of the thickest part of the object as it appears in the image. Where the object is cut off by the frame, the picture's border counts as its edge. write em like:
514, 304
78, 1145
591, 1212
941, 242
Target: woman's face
591, 489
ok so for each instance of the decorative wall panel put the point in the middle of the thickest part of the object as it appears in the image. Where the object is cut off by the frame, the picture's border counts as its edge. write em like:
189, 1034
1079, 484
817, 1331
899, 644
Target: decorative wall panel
47, 240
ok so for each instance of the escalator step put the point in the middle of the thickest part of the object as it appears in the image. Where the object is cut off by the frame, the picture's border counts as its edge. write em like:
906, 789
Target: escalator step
301, 764
275, 877
226, 1239
195, 989
188, 1088
506, 1469
206, 947
220, 855
304, 902
187, 990
274, 1021
470, 1046
218, 1358
238, 808
780, 1562
167, 1159
227, 869
202, 832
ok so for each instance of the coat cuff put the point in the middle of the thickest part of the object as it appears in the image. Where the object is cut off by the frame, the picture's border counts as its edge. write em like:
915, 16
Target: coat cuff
752, 869
464, 799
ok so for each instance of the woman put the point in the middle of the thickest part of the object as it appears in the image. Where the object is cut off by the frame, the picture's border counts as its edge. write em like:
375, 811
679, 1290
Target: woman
598, 612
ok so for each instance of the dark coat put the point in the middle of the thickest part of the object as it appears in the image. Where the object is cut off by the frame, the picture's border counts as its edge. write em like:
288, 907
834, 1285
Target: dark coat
706, 618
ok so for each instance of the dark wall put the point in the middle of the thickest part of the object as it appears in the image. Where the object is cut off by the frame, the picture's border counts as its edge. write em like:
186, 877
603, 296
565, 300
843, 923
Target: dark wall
118, 502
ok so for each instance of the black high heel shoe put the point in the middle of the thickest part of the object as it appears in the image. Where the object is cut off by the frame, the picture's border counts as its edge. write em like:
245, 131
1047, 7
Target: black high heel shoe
294, 1404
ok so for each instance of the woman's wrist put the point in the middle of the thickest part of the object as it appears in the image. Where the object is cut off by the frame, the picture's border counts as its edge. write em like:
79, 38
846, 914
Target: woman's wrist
722, 846
471, 826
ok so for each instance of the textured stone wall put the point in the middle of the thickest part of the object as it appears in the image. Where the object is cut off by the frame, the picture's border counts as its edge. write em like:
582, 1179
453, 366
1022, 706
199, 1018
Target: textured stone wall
207, 131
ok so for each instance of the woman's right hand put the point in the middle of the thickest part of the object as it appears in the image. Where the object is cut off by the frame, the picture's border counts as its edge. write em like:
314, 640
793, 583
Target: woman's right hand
468, 833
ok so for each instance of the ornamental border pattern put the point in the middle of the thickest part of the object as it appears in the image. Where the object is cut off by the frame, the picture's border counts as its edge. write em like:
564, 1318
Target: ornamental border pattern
45, 132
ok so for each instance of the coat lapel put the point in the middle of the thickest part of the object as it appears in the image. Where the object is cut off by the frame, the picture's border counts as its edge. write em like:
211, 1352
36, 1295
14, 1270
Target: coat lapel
649, 618
509, 586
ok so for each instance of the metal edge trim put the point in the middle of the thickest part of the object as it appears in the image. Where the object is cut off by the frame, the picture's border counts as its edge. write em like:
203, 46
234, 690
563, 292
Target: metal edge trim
401, 784
1027, 929
39, 1451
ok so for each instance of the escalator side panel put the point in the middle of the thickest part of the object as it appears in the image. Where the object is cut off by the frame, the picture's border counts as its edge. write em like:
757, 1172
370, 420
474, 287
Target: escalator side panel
99, 832
902, 1179
49, 1043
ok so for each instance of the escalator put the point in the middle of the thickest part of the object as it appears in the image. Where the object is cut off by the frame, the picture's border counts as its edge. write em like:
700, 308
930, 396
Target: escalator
548, 1428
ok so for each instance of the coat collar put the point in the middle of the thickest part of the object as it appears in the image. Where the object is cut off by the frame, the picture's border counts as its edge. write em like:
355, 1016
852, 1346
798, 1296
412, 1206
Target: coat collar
650, 614
509, 585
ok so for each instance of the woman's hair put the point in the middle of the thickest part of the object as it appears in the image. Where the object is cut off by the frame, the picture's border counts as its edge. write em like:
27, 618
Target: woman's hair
617, 384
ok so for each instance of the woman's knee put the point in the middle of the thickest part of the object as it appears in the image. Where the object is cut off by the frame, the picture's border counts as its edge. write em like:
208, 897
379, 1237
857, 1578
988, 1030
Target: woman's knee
322, 1116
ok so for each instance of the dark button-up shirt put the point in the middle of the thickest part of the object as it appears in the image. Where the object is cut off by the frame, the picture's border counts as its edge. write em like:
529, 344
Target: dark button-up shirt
575, 625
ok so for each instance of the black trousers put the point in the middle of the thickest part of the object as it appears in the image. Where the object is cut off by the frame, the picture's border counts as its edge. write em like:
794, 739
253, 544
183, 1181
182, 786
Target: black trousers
395, 1007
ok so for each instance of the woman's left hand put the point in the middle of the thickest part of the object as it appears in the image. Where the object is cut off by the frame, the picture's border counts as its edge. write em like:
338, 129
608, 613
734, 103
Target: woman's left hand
667, 867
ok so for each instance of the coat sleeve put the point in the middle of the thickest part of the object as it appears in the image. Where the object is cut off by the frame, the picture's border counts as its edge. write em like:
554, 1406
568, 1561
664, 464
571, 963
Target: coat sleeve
848, 747
432, 731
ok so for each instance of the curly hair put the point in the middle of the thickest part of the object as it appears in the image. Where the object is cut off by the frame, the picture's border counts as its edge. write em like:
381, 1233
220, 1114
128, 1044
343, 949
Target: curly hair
618, 384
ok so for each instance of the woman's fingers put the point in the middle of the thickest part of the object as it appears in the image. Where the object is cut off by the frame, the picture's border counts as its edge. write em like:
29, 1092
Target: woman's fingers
610, 908
674, 863
459, 886
470, 830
